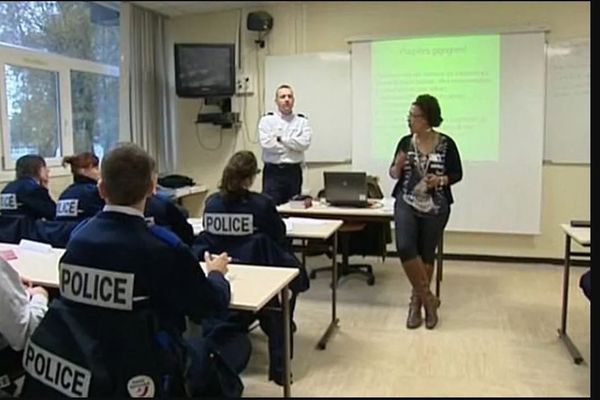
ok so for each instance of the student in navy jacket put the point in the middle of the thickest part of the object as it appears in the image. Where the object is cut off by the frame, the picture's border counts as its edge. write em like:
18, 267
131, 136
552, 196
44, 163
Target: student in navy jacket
136, 269
81, 199
162, 211
28, 195
234, 220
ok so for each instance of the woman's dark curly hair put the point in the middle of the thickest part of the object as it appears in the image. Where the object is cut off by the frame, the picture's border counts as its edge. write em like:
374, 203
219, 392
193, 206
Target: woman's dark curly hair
430, 108
241, 166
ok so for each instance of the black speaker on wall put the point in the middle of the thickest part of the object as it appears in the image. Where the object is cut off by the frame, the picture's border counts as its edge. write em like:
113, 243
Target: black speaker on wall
259, 21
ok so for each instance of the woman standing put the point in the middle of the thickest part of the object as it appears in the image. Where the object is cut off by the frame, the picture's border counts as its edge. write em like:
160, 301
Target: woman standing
426, 163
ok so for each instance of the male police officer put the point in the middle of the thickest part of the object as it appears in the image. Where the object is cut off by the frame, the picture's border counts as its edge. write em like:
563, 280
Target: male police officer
284, 136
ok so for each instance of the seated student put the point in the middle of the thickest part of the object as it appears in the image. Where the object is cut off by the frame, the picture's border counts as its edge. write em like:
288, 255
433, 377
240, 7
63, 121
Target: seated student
81, 199
163, 211
257, 212
239, 216
21, 310
28, 194
145, 279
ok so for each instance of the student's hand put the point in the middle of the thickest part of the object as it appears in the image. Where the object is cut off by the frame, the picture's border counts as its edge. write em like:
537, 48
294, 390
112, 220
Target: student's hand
26, 282
216, 263
37, 290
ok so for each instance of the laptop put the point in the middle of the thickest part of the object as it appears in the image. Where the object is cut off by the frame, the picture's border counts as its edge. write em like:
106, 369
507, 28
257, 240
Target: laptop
347, 189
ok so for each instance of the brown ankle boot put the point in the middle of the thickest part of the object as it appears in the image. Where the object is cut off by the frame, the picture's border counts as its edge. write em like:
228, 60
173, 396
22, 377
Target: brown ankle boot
431, 304
415, 319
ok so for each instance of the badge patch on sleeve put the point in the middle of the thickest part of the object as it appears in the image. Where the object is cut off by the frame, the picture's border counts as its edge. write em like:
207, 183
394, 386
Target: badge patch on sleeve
141, 386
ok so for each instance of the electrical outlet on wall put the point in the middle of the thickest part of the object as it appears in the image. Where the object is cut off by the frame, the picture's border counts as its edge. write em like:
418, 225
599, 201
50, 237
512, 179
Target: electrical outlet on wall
243, 84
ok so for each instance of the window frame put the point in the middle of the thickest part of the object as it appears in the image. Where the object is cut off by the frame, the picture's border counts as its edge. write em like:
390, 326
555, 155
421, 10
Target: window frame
63, 65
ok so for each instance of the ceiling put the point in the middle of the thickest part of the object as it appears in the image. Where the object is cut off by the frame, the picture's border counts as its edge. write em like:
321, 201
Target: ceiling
179, 8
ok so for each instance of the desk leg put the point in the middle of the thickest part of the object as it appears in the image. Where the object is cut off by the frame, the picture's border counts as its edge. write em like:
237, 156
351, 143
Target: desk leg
303, 241
334, 319
440, 265
562, 332
285, 300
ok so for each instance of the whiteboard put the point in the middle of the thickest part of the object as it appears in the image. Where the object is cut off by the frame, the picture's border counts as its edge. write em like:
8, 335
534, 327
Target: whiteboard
321, 83
568, 102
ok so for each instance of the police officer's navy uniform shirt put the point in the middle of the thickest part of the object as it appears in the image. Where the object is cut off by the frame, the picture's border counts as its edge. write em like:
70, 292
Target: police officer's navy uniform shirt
295, 137
164, 269
255, 206
80, 200
26, 196
164, 212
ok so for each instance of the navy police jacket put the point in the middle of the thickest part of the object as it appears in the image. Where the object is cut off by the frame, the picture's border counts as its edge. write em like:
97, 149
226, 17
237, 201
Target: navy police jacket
79, 201
164, 212
25, 196
253, 213
125, 289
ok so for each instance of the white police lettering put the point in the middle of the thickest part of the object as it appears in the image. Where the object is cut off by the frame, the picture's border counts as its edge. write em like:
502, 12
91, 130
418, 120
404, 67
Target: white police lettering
229, 224
67, 208
52, 370
96, 286
141, 386
8, 201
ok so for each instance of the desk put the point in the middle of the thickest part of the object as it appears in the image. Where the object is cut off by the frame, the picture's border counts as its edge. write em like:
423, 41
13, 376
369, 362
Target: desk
252, 286
190, 197
182, 192
582, 237
322, 229
308, 228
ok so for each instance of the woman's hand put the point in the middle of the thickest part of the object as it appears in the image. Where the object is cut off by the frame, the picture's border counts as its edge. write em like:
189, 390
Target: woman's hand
396, 168
434, 181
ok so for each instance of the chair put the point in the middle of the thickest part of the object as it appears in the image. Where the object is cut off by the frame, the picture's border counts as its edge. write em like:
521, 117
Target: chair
585, 283
11, 370
103, 342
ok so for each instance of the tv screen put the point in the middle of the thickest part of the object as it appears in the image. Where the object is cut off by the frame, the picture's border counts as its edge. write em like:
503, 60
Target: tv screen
204, 70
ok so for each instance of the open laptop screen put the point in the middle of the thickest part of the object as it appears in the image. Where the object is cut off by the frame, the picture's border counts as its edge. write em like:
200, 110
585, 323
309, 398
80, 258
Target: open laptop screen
346, 188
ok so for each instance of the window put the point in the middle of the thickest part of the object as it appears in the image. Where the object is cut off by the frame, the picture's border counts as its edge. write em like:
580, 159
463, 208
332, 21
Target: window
33, 111
59, 79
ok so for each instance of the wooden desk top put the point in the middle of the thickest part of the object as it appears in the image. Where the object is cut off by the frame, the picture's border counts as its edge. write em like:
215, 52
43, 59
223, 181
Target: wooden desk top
580, 235
305, 228
383, 208
252, 286
189, 190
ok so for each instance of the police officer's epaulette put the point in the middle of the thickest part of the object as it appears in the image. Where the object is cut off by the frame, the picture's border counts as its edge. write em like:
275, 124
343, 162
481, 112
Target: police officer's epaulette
302, 116
165, 235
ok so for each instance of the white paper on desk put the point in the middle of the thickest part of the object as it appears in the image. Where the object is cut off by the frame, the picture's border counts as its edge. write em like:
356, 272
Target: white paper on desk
35, 246
289, 225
